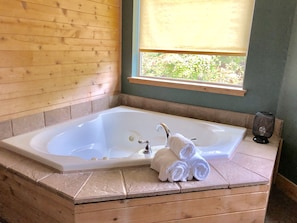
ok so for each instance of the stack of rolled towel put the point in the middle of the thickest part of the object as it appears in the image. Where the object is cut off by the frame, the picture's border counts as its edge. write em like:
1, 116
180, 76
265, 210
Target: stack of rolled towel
180, 161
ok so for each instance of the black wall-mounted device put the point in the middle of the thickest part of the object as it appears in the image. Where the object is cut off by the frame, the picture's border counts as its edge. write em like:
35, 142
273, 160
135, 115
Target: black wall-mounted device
263, 127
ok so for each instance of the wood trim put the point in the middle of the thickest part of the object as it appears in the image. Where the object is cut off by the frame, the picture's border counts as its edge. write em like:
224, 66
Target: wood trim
277, 161
217, 89
287, 186
244, 204
24, 201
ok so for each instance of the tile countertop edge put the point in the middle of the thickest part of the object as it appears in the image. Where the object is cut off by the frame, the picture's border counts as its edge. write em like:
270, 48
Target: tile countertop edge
130, 189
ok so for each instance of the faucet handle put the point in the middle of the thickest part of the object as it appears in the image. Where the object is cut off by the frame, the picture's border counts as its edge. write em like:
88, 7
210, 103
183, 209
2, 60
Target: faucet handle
147, 149
143, 141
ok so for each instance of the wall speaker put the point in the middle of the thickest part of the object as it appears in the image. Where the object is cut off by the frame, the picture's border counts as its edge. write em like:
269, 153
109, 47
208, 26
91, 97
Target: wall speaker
263, 127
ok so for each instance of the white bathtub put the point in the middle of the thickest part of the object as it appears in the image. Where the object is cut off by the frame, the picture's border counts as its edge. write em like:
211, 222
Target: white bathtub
110, 139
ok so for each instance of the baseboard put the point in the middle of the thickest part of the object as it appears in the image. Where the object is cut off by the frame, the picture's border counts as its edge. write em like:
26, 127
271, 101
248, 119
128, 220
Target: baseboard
286, 186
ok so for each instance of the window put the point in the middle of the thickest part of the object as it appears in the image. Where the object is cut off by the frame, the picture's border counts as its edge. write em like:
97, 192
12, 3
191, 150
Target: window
192, 41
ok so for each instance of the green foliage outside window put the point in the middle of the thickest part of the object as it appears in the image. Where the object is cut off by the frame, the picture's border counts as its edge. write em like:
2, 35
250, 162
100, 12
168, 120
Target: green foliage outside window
194, 67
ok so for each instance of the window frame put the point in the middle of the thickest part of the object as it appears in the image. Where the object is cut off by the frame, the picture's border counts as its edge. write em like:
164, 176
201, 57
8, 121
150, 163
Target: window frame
168, 83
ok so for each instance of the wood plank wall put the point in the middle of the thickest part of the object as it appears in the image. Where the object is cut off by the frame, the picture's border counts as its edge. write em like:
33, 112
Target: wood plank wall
55, 53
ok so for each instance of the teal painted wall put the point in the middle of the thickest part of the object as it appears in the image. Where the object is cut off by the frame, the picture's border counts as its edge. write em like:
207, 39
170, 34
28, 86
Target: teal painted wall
266, 63
287, 110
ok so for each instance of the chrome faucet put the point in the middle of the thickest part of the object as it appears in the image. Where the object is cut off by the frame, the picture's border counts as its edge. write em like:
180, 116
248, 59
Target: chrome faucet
167, 131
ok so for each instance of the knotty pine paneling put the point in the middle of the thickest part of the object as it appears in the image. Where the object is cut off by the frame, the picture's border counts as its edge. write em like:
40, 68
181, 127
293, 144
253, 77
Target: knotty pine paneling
56, 53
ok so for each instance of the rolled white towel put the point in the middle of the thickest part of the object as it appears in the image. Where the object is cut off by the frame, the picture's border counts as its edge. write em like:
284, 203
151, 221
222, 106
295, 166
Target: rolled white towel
169, 166
183, 147
199, 167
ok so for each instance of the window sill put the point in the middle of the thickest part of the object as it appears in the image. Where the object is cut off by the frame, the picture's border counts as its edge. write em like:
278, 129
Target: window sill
210, 88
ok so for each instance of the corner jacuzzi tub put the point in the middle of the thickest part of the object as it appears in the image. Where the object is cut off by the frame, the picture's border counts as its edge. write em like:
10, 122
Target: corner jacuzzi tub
110, 139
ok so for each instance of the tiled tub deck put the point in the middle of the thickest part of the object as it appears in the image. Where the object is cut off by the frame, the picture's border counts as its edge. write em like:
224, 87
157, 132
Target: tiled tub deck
236, 190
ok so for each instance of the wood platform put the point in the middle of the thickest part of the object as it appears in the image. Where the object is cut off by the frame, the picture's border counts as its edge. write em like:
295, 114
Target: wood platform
26, 201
